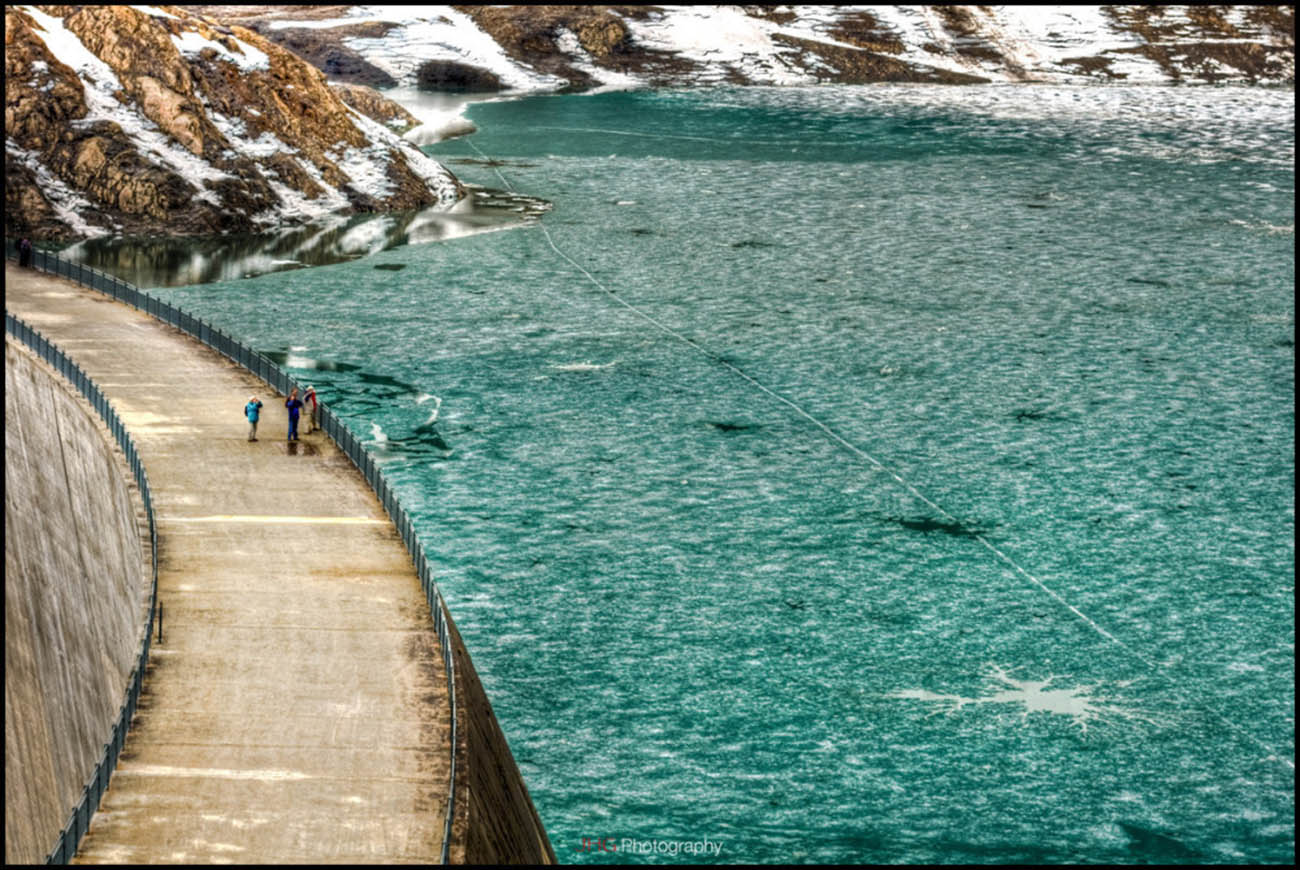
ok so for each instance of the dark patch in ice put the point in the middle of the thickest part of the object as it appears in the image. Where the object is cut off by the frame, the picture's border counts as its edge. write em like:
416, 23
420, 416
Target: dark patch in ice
888, 617
641, 231
732, 427
427, 433
391, 267
794, 605
1003, 853
475, 161
385, 380
1024, 414
1155, 282
1154, 846
927, 525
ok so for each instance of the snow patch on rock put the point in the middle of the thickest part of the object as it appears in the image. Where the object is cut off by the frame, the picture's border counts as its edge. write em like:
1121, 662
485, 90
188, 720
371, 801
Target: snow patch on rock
190, 43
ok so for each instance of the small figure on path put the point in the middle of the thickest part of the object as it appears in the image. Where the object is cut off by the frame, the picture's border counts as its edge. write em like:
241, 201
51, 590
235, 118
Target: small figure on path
294, 404
25, 252
309, 404
251, 412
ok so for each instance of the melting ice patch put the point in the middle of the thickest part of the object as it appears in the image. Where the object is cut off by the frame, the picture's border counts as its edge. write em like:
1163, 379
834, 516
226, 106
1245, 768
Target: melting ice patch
587, 366
246, 57
437, 406
1033, 696
1266, 227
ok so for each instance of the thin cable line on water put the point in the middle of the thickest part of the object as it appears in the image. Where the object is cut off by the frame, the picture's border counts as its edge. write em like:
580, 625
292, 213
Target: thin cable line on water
781, 142
858, 451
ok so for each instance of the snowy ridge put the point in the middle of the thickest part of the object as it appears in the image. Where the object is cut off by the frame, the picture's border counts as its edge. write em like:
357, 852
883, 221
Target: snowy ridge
1058, 44
427, 33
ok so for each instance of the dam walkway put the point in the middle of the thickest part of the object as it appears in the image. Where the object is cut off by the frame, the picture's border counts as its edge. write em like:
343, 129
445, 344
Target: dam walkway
296, 707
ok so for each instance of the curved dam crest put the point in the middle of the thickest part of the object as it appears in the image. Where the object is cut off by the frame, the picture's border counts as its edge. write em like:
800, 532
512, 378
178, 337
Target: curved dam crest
298, 708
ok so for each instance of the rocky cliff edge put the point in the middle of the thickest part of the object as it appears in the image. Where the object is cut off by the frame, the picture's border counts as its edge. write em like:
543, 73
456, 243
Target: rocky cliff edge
143, 120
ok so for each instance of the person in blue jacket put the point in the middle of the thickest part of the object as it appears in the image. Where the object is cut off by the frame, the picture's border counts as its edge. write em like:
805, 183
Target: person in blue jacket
294, 404
251, 412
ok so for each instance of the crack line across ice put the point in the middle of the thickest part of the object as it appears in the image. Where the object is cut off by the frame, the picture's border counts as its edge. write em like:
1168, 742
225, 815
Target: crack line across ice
858, 451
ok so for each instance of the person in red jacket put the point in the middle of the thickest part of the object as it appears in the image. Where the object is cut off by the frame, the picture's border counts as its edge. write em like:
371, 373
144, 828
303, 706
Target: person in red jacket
309, 406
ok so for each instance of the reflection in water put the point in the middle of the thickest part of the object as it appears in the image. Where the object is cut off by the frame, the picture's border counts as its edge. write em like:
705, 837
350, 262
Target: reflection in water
289, 359
174, 262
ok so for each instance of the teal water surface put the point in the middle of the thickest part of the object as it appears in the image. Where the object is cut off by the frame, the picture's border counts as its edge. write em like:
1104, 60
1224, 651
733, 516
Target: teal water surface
875, 474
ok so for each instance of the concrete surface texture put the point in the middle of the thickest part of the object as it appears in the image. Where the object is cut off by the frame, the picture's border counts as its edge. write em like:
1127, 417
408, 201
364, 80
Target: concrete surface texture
77, 577
295, 710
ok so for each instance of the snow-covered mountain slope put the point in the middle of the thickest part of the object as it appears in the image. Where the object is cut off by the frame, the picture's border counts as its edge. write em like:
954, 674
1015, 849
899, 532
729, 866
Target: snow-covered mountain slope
198, 119
548, 47
148, 120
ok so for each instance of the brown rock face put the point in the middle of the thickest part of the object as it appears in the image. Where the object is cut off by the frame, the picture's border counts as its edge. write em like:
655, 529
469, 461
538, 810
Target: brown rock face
1197, 49
324, 50
529, 35
188, 127
376, 106
858, 67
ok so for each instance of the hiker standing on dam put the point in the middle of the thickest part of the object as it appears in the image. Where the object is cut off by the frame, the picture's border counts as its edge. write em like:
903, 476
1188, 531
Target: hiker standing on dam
251, 411
294, 404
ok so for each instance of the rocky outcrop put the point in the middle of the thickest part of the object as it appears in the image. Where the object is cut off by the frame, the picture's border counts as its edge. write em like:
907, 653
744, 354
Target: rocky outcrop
533, 36
448, 75
1204, 44
119, 120
376, 106
324, 49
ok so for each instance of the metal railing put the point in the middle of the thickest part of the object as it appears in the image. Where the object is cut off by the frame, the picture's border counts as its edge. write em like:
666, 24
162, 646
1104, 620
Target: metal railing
336, 429
70, 837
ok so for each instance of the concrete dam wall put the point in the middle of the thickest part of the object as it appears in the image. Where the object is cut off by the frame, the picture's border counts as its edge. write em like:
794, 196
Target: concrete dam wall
495, 822
76, 597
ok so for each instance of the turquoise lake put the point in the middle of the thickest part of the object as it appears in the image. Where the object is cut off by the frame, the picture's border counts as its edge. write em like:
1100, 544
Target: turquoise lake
880, 474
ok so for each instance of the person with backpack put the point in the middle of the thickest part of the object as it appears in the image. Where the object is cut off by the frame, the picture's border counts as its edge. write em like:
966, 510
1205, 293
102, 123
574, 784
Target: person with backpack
251, 412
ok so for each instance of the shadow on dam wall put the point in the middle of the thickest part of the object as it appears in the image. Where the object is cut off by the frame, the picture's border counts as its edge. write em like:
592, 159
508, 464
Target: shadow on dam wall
495, 820
76, 599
